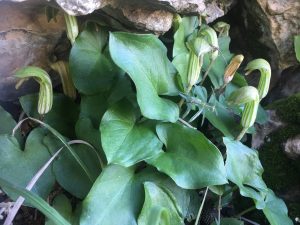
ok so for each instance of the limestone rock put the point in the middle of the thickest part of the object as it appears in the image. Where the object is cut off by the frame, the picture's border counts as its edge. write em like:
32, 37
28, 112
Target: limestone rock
148, 15
26, 38
274, 23
292, 147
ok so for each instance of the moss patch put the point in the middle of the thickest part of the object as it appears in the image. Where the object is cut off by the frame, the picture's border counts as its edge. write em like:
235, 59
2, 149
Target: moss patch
282, 173
288, 109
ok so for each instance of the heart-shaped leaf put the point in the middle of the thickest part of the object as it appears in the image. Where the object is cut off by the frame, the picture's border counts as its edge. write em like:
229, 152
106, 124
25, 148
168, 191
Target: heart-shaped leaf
67, 171
191, 160
25, 164
276, 210
158, 207
117, 196
114, 198
62, 117
145, 60
124, 140
245, 170
90, 64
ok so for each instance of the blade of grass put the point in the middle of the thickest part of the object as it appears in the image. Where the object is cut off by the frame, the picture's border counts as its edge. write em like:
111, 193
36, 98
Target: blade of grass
37, 202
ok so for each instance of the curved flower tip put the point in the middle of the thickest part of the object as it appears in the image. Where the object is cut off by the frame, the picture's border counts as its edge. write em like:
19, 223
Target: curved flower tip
223, 28
243, 95
265, 71
46, 93
212, 39
199, 46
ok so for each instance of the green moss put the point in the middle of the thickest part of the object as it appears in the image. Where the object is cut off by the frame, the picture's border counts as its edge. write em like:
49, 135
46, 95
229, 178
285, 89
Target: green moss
288, 109
280, 171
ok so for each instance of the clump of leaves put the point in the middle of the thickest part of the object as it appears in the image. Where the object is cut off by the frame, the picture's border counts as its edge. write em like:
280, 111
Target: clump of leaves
138, 110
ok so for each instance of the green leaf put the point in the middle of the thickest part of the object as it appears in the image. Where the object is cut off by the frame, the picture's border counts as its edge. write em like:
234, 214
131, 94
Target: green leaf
7, 124
6, 121
229, 221
67, 171
117, 196
297, 47
191, 160
36, 201
222, 118
262, 115
124, 140
216, 73
114, 198
158, 207
87, 132
62, 204
145, 60
186, 27
93, 107
62, 117
25, 163
65, 144
181, 63
276, 210
90, 64
245, 170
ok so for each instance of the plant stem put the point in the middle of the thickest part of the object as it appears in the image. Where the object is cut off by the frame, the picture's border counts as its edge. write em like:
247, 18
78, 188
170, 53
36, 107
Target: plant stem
189, 88
201, 207
245, 211
241, 135
207, 71
186, 123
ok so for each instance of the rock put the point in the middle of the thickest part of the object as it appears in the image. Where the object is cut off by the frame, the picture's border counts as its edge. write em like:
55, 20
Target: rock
287, 85
149, 15
262, 131
26, 38
273, 23
292, 147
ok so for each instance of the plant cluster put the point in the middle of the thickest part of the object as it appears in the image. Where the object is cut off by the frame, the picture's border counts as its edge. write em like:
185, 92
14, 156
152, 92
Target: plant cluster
126, 146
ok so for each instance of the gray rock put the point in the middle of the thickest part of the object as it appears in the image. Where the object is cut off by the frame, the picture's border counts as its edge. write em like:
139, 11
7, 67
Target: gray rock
26, 38
292, 147
274, 23
262, 131
148, 15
